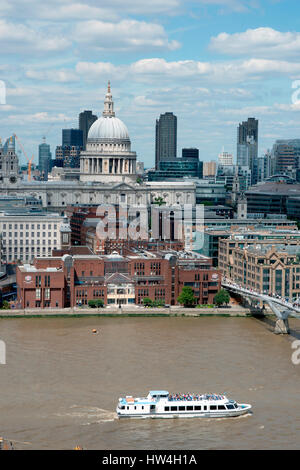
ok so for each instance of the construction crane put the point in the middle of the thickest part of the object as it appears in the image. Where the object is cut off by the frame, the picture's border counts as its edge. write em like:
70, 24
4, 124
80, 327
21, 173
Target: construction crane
28, 160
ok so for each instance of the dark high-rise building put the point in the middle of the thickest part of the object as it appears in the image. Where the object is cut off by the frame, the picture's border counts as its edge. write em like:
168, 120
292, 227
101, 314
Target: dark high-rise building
72, 138
165, 138
68, 154
44, 160
247, 146
86, 119
190, 153
178, 168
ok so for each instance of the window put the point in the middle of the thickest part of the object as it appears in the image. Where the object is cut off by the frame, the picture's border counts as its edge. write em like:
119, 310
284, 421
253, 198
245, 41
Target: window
229, 407
167, 408
47, 294
221, 407
38, 294
198, 408
213, 407
189, 408
182, 408
173, 408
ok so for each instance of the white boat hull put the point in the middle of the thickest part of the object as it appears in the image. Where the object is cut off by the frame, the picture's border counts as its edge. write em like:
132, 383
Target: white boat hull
241, 410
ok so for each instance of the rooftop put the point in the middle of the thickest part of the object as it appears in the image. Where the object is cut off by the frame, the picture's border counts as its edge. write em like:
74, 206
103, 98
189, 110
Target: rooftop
277, 188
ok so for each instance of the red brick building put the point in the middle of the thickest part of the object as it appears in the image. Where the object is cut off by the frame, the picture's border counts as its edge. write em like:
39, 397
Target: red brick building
79, 276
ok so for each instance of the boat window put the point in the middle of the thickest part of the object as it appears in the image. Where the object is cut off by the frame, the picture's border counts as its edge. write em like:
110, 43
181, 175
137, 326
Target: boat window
182, 408
122, 407
198, 408
205, 407
190, 408
173, 408
213, 407
152, 407
142, 407
221, 407
167, 408
229, 407
135, 407
127, 407
235, 405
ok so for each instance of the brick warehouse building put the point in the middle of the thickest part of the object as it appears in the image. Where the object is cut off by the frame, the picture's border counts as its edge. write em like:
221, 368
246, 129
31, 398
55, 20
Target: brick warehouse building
73, 279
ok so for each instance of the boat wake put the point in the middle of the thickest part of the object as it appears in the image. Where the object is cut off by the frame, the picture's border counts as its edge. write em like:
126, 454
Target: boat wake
92, 415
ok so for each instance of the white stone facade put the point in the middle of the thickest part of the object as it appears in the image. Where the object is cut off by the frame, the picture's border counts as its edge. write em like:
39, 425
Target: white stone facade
59, 194
29, 235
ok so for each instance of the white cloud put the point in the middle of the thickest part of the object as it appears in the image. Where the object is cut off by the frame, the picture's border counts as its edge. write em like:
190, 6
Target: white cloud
40, 117
75, 10
225, 72
63, 76
66, 10
94, 70
124, 35
21, 39
144, 101
259, 42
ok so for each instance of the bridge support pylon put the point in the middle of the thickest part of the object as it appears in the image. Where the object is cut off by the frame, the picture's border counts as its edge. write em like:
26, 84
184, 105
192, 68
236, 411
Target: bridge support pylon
282, 327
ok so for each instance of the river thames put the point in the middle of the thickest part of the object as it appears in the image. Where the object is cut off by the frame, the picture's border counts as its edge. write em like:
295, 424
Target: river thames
61, 382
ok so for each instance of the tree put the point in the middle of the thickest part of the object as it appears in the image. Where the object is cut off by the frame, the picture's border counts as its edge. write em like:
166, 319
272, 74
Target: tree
96, 303
186, 297
222, 297
5, 305
147, 302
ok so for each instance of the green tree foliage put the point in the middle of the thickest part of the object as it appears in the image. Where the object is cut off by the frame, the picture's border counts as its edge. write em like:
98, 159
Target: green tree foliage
147, 302
186, 297
96, 303
222, 297
5, 305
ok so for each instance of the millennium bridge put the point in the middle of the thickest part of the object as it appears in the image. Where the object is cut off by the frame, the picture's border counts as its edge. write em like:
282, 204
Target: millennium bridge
281, 307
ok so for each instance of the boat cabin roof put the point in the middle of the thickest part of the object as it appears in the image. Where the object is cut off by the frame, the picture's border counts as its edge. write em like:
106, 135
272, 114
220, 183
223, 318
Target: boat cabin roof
158, 392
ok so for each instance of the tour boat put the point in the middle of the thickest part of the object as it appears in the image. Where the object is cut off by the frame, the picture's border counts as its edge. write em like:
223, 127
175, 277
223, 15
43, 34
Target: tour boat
161, 404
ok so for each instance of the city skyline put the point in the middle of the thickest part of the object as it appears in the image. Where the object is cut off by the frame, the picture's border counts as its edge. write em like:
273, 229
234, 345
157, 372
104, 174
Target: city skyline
213, 63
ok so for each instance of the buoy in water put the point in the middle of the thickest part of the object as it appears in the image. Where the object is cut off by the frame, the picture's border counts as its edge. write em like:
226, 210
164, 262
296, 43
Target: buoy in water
94, 331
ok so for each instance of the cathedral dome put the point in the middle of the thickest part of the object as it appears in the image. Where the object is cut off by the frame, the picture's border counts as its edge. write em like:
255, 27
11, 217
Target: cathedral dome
108, 127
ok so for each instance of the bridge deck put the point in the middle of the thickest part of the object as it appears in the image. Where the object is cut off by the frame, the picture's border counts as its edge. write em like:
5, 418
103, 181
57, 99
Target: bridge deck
266, 298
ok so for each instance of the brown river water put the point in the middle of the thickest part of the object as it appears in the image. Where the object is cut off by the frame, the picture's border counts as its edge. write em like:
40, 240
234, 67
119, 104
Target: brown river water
61, 382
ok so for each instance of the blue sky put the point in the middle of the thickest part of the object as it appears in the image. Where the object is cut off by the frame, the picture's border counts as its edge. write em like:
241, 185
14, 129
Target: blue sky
214, 63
